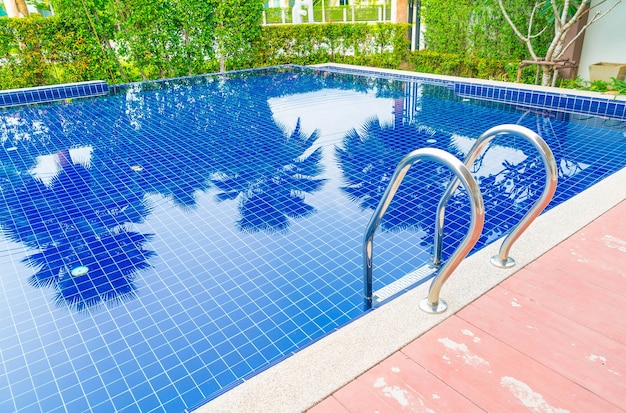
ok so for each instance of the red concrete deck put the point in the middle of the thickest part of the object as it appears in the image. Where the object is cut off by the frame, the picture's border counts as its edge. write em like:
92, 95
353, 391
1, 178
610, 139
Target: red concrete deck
551, 338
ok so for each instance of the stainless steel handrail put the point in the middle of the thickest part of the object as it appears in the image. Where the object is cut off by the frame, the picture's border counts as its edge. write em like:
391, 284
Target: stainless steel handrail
432, 303
502, 260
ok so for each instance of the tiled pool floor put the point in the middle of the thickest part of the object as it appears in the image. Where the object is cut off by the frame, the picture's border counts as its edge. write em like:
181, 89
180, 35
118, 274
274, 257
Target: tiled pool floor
552, 337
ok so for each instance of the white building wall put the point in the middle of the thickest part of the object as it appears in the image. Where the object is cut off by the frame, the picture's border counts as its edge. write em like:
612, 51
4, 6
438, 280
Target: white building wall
605, 40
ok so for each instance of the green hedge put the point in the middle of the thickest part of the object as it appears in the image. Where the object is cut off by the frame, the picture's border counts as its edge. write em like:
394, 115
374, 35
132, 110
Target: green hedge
37, 51
462, 65
478, 28
381, 44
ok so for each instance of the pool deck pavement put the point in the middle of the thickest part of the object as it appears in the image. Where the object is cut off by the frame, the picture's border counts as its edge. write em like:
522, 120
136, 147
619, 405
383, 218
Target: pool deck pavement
551, 338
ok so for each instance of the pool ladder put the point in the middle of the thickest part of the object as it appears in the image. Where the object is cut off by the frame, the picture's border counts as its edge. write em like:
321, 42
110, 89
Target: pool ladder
432, 303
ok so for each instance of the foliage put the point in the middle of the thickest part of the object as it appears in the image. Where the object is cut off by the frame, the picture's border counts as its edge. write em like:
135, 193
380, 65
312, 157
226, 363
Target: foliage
562, 16
237, 25
91, 23
615, 86
127, 40
136, 40
381, 44
462, 65
477, 28
41, 51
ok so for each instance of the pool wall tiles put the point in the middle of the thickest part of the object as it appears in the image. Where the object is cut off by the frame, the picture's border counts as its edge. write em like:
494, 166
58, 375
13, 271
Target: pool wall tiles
52, 93
545, 100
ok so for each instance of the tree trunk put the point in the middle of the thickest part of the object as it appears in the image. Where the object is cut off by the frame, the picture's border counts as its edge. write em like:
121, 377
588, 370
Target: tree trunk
11, 8
21, 8
546, 75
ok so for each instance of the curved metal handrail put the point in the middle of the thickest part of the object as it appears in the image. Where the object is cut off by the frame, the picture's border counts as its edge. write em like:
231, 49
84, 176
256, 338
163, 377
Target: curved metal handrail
463, 175
502, 260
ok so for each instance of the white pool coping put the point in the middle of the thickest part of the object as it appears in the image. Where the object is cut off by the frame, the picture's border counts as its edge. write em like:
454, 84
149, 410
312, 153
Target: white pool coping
307, 377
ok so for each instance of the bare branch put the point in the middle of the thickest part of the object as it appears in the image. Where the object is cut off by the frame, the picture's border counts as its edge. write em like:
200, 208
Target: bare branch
557, 18
563, 23
540, 33
517, 32
530, 23
565, 10
597, 16
556, 46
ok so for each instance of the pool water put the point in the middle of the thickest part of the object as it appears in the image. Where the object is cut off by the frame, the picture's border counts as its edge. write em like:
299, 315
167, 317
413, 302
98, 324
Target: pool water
163, 243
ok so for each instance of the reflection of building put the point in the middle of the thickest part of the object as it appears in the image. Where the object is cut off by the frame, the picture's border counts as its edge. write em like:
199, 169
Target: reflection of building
277, 3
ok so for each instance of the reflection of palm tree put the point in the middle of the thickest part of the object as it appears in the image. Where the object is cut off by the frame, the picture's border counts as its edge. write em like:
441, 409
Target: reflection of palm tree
510, 192
173, 169
368, 159
78, 221
274, 182
92, 269
172, 174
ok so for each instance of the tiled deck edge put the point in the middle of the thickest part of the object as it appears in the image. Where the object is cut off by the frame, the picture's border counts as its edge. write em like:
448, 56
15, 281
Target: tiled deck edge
310, 375
42, 94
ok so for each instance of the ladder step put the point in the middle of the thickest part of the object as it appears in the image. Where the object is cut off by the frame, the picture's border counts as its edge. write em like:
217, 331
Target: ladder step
404, 283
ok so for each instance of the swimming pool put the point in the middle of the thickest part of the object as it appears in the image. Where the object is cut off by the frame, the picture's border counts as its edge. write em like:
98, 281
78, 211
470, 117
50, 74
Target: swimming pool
166, 241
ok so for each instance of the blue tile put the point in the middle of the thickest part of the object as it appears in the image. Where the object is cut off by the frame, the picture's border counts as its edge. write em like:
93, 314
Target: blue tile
536, 98
55, 92
611, 109
124, 401
150, 403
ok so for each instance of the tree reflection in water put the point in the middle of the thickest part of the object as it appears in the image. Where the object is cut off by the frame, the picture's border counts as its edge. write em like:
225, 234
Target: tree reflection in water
368, 158
80, 222
274, 182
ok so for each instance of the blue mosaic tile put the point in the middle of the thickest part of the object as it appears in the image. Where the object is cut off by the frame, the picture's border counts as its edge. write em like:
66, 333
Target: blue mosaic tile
43, 94
546, 100
169, 240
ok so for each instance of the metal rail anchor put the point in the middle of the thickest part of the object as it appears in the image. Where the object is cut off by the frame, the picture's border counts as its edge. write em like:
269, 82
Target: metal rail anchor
463, 175
503, 260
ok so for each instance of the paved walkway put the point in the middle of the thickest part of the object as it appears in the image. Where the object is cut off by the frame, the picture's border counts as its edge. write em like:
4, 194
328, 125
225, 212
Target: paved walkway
551, 338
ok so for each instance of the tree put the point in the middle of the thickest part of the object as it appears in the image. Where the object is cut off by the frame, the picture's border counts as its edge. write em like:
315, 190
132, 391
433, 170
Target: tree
564, 14
237, 31
22, 8
16, 8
